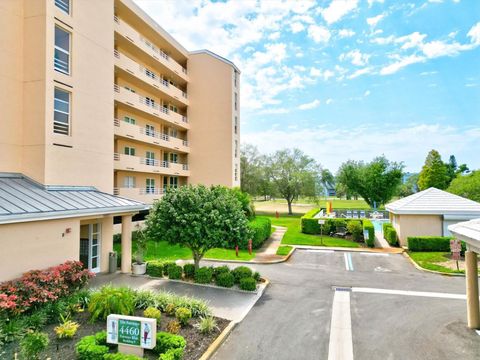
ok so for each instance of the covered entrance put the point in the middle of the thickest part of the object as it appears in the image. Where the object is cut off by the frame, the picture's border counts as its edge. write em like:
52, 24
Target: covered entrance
90, 246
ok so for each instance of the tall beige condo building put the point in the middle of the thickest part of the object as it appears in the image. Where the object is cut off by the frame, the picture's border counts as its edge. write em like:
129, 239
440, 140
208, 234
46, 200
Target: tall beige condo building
102, 111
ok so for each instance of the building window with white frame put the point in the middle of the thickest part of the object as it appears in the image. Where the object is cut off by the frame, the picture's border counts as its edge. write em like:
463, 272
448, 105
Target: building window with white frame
174, 181
62, 50
150, 186
63, 5
129, 182
130, 120
235, 125
235, 77
61, 112
129, 151
236, 101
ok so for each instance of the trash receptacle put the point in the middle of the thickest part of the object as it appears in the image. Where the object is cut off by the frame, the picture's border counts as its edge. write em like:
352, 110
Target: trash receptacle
112, 262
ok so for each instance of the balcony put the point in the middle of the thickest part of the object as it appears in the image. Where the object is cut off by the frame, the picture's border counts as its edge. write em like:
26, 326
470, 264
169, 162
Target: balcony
149, 106
160, 56
146, 75
154, 166
147, 196
139, 133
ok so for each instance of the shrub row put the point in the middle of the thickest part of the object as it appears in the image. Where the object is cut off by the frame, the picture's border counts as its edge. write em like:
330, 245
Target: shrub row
222, 275
309, 224
431, 243
37, 287
390, 234
369, 231
261, 229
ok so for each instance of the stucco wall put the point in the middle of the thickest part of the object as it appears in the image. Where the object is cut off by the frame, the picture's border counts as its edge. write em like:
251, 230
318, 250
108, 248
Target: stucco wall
417, 225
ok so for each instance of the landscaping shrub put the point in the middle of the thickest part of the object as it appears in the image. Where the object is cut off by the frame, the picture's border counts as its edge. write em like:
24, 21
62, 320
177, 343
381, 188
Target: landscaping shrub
225, 279
309, 224
174, 272
172, 354
355, 228
170, 309
33, 344
11, 329
167, 341
256, 276
183, 315
90, 348
36, 321
145, 299
197, 307
430, 243
55, 310
261, 228
220, 270
241, 272
67, 329
331, 225
155, 268
166, 266
152, 313
390, 234
101, 337
248, 284
120, 356
370, 230
207, 325
37, 287
203, 275
111, 300
173, 327
189, 271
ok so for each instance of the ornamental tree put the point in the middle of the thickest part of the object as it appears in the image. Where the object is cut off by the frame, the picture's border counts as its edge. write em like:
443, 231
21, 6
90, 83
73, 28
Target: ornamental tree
434, 172
199, 218
467, 186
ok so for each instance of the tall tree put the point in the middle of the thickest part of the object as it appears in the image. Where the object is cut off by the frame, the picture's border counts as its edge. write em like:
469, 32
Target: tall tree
434, 172
294, 174
199, 218
250, 169
467, 186
409, 187
347, 179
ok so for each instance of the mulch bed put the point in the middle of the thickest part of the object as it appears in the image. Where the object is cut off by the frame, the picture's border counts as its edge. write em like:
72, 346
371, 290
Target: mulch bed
64, 349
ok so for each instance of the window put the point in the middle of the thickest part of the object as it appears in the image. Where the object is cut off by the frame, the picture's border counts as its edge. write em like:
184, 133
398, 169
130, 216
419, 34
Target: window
62, 50
236, 148
129, 151
236, 105
149, 130
63, 5
150, 158
150, 186
235, 77
174, 158
150, 74
174, 181
130, 89
150, 102
165, 183
129, 182
236, 172
129, 120
235, 126
173, 108
61, 112
173, 132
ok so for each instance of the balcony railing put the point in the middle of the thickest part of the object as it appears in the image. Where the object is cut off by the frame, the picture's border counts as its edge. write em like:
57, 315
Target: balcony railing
136, 163
132, 34
151, 191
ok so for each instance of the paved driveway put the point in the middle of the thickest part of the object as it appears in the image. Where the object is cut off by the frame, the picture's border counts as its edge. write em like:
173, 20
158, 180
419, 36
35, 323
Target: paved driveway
421, 316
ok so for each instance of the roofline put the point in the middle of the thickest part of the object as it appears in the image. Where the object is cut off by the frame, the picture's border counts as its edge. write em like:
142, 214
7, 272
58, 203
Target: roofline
208, 52
433, 212
28, 217
153, 24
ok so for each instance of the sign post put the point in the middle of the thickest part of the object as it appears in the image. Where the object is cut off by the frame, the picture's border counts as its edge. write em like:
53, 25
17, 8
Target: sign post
321, 223
456, 249
131, 333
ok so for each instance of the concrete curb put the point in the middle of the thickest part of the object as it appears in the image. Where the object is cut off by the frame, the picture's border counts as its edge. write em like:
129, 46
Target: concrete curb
368, 250
430, 271
218, 341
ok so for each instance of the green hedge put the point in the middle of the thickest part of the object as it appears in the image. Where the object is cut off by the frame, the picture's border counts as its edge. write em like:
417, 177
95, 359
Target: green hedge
390, 234
431, 243
155, 268
309, 224
261, 228
370, 229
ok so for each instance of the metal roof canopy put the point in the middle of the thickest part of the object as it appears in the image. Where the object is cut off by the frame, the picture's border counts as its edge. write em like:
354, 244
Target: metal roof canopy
468, 231
433, 201
22, 200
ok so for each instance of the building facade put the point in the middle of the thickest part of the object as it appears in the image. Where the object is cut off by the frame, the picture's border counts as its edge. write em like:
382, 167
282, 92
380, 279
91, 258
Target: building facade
96, 95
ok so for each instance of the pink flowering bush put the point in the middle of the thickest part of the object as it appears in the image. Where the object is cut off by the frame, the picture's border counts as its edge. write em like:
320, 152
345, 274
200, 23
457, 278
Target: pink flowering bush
40, 286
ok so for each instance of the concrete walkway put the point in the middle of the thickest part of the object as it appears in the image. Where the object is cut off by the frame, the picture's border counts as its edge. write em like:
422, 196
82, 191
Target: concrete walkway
380, 240
268, 251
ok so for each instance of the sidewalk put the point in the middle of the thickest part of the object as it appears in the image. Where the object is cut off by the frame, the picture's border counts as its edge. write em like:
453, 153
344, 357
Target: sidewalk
268, 251
380, 240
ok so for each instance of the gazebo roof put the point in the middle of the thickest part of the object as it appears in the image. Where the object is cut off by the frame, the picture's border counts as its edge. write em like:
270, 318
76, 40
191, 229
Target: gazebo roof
433, 201
468, 231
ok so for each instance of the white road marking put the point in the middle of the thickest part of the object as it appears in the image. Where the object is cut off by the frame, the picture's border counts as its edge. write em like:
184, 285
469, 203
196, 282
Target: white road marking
320, 251
478, 332
409, 293
347, 266
374, 254
340, 346
348, 261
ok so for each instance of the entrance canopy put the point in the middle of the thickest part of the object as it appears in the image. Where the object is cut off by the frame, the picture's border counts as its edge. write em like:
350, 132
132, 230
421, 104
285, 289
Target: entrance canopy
22, 200
468, 231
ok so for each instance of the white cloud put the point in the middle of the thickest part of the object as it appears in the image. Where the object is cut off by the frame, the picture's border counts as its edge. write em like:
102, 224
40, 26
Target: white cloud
327, 74
338, 9
346, 33
311, 105
366, 93
373, 21
296, 27
397, 142
274, 36
427, 73
328, 101
274, 110
356, 57
371, 2
410, 41
360, 72
319, 34
401, 63
474, 34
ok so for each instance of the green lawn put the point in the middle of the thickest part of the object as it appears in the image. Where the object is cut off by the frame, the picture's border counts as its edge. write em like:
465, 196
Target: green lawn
162, 250
294, 236
428, 260
284, 250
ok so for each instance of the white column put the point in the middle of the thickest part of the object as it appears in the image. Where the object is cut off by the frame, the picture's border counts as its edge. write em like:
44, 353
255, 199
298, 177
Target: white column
471, 270
126, 243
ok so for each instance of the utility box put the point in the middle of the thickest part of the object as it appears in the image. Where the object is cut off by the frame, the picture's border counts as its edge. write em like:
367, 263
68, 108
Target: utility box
112, 262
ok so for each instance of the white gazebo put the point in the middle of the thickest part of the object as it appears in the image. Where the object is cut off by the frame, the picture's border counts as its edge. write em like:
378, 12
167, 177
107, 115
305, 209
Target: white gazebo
469, 231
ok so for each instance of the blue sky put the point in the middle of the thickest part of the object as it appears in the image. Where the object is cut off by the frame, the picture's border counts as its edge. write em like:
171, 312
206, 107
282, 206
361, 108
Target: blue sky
346, 79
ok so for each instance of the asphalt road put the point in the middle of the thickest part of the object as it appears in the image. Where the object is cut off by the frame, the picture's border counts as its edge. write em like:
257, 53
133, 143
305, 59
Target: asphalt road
293, 318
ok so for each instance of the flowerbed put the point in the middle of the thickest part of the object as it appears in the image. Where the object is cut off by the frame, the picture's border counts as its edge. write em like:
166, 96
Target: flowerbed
221, 276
